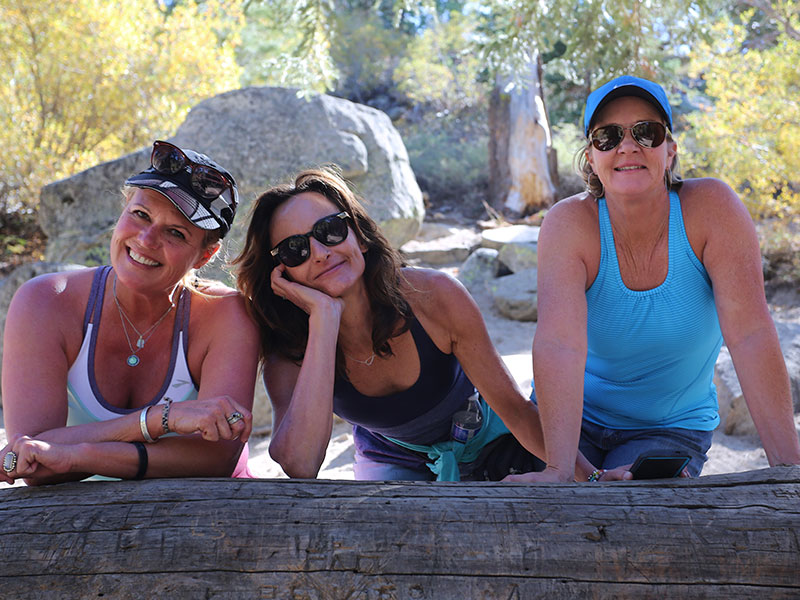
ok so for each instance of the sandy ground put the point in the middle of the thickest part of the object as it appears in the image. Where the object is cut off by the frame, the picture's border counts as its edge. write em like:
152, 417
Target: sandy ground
513, 341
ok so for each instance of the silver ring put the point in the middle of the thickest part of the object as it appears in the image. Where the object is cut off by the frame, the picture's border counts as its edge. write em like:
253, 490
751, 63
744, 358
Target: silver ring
234, 418
10, 461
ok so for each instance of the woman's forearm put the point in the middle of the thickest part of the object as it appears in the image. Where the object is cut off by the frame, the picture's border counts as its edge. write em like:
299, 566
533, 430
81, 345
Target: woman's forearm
127, 428
300, 439
559, 391
41, 462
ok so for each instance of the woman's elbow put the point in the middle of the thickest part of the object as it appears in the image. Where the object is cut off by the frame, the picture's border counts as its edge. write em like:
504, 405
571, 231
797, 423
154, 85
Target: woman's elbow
294, 466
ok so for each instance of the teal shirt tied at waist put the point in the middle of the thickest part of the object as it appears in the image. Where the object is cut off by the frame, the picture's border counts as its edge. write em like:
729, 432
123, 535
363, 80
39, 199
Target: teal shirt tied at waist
446, 456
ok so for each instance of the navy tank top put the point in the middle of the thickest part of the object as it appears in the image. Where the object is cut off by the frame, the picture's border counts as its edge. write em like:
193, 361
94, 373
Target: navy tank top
421, 414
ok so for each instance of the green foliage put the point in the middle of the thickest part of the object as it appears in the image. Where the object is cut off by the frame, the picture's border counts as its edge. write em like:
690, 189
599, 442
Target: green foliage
86, 80
440, 70
568, 140
747, 130
368, 55
287, 43
586, 43
449, 156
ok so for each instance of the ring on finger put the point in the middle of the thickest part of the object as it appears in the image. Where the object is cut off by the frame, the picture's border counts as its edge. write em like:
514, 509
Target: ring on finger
10, 461
234, 417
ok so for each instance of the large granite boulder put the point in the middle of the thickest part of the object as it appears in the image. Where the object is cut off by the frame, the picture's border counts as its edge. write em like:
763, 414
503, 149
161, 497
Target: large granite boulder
515, 295
263, 136
734, 414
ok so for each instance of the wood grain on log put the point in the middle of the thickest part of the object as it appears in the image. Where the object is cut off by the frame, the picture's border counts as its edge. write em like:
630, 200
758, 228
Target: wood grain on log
721, 536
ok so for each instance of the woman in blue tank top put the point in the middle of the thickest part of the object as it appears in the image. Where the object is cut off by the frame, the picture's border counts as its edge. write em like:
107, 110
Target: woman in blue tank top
395, 351
137, 369
640, 279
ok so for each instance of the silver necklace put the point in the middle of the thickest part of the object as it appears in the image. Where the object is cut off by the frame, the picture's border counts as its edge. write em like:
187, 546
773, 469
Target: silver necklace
132, 359
367, 362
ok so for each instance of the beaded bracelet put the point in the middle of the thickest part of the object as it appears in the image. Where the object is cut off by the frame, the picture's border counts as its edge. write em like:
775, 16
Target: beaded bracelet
142, 450
143, 425
165, 415
596, 474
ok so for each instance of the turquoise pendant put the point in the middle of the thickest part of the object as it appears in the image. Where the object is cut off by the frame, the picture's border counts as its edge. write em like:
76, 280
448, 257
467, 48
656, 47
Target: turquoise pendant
133, 360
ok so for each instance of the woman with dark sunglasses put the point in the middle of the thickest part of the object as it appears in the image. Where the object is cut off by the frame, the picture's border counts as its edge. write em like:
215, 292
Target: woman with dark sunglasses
641, 279
136, 369
395, 351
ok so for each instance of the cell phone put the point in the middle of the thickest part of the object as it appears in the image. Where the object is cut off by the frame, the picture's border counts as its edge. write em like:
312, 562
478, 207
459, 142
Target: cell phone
660, 464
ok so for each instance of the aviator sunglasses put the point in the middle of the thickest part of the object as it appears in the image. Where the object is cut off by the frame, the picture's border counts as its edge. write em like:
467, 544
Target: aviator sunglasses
207, 181
295, 249
648, 134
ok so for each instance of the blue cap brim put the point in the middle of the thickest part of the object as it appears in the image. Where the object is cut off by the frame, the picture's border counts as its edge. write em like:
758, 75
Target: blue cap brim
627, 85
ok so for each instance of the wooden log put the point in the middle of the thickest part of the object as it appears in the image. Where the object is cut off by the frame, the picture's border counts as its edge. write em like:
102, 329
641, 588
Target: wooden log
721, 536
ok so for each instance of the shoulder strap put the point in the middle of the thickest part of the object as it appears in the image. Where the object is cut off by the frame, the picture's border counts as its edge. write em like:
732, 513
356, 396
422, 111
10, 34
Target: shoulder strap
94, 305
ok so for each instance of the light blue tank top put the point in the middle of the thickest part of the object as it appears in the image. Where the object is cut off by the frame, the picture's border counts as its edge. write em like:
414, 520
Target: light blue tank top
651, 353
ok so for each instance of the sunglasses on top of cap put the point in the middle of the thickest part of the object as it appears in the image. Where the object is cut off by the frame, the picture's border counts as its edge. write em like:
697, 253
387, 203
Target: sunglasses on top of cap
207, 181
295, 249
648, 134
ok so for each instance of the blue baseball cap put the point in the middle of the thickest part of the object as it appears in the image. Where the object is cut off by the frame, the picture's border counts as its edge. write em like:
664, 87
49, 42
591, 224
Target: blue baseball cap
627, 85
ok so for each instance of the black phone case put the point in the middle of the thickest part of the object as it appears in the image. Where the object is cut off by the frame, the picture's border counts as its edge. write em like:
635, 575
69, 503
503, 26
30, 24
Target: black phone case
660, 464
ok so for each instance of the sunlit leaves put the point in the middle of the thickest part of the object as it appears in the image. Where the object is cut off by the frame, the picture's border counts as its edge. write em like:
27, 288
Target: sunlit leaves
748, 129
287, 43
87, 80
440, 69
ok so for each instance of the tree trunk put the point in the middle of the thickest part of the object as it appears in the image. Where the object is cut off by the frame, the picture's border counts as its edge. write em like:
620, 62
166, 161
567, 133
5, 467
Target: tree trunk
521, 180
721, 536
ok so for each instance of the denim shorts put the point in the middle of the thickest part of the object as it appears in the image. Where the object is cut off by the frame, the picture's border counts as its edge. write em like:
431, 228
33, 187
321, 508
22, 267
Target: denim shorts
610, 448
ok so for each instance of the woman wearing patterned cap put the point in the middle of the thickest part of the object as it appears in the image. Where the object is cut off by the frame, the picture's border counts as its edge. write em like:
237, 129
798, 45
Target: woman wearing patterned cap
641, 278
137, 369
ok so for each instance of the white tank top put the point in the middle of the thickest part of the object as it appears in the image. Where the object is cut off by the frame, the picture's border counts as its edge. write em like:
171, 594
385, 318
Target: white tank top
86, 403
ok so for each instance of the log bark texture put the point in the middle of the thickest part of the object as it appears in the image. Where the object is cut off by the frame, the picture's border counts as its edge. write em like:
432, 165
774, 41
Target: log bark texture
721, 536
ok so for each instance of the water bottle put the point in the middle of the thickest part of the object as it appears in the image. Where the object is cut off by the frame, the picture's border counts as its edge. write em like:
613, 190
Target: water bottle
467, 422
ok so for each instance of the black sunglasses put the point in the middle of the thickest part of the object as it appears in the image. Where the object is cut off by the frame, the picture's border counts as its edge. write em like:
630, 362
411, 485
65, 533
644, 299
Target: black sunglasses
648, 134
207, 181
296, 249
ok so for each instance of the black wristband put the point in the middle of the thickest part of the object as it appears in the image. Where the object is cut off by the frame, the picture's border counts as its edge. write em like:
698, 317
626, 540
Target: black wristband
142, 450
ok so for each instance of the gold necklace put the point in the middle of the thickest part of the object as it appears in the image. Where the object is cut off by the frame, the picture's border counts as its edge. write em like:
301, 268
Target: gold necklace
132, 359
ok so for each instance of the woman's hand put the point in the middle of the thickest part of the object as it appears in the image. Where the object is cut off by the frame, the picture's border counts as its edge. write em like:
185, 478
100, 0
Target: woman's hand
219, 418
555, 476
306, 298
618, 474
36, 458
547, 476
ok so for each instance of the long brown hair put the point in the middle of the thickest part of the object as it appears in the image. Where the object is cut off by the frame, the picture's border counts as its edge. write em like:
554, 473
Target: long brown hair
284, 326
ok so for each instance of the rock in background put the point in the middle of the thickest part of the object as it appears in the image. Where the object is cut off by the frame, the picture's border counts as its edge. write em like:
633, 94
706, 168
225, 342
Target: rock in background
734, 415
262, 136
